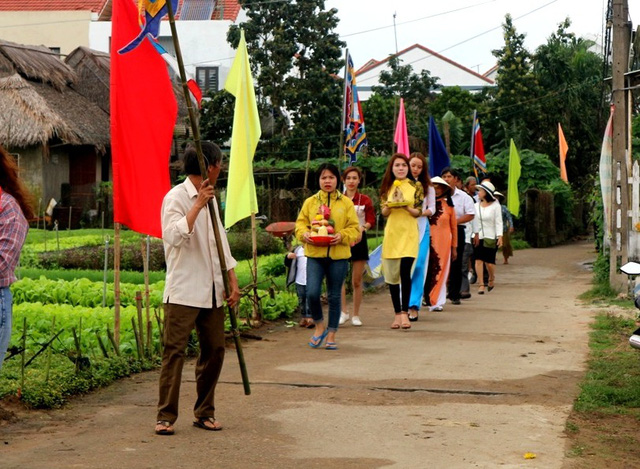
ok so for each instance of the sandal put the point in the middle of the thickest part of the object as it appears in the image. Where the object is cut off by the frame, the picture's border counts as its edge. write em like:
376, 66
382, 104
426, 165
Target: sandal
481, 290
208, 423
164, 427
405, 324
316, 341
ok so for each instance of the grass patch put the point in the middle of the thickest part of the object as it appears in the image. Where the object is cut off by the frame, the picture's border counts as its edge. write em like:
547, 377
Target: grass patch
612, 382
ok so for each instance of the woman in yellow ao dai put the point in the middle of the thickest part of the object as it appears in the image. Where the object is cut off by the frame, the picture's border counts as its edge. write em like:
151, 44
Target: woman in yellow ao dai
401, 236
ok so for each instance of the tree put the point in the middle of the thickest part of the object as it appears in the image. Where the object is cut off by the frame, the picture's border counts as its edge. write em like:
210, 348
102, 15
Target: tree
461, 103
296, 56
216, 119
517, 89
570, 78
416, 89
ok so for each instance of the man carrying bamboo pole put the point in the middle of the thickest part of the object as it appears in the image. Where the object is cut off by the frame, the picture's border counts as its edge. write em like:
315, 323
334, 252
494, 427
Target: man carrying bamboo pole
194, 291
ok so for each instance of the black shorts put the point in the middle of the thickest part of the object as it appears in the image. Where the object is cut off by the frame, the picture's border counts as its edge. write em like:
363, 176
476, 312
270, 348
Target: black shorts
360, 252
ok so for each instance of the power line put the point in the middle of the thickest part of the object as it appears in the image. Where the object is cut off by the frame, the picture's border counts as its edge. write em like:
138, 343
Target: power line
465, 40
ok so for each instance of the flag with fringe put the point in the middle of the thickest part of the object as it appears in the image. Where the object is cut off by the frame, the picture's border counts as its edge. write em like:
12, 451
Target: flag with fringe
353, 119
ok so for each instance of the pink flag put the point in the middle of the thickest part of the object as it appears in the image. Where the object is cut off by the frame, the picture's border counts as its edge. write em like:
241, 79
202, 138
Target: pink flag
402, 136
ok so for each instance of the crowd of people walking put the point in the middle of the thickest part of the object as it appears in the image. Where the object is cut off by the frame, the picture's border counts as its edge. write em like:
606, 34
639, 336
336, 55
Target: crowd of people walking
441, 235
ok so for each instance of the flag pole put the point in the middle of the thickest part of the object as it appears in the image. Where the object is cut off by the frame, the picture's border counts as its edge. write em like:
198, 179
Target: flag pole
344, 107
212, 214
473, 143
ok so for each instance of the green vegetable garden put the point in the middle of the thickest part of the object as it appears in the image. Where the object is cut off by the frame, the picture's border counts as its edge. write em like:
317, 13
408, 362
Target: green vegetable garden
63, 339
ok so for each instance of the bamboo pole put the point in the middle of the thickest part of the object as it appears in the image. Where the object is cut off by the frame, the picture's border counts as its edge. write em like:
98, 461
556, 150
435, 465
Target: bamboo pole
306, 169
256, 316
116, 283
341, 139
140, 323
23, 352
47, 366
146, 258
212, 214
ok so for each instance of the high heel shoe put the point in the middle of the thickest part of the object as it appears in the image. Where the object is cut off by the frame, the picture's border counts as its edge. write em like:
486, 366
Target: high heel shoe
481, 290
491, 287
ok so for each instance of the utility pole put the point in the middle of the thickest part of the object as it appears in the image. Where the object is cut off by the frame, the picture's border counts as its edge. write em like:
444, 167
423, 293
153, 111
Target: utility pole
619, 198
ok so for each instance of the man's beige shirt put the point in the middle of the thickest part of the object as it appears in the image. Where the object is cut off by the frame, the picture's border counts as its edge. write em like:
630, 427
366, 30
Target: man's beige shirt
193, 266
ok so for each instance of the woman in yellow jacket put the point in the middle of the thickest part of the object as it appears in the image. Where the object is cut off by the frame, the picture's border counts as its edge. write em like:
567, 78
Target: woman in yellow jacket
332, 213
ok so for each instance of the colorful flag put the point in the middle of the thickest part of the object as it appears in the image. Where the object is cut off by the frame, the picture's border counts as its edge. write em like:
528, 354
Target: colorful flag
241, 189
513, 196
353, 119
401, 137
154, 11
438, 156
192, 84
143, 115
606, 156
479, 160
564, 148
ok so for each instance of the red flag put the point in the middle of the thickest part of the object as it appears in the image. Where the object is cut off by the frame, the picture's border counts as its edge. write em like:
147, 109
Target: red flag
479, 158
143, 115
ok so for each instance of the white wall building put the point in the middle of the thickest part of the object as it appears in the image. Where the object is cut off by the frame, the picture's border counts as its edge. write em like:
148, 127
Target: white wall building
448, 72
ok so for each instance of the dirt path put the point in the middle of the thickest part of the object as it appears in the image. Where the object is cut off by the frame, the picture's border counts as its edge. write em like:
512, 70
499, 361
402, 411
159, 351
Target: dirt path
478, 385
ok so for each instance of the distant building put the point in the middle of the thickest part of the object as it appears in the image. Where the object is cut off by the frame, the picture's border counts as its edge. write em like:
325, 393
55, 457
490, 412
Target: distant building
448, 72
64, 25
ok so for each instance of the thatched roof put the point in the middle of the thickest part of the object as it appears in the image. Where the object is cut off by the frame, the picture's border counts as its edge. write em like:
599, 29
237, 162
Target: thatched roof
92, 68
36, 63
38, 103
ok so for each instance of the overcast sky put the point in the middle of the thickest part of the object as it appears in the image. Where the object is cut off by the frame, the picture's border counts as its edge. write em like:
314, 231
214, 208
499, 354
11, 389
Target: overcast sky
463, 30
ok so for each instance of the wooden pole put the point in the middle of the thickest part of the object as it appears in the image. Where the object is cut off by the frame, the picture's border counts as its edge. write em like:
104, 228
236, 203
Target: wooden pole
256, 316
341, 138
619, 197
212, 214
116, 284
145, 266
306, 169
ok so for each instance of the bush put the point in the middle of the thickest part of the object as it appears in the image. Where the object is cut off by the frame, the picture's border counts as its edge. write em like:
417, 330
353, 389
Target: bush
92, 258
241, 248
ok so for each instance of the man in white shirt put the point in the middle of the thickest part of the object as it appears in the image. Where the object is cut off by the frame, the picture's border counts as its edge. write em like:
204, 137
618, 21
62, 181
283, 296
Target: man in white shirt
194, 290
465, 211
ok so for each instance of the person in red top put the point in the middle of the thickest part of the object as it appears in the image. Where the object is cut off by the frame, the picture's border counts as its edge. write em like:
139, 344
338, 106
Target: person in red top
351, 178
15, 209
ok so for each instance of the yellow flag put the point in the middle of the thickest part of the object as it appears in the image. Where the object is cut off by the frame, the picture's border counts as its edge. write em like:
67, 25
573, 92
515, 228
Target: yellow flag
564, 148
513, 198
241, 189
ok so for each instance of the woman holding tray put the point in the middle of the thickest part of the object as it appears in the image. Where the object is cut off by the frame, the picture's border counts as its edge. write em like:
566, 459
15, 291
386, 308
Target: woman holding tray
328, 211
401, 200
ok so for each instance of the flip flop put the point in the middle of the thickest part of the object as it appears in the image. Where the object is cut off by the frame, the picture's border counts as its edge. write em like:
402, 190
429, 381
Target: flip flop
202, 423
331, 346
167, 430
395, 325
316, 342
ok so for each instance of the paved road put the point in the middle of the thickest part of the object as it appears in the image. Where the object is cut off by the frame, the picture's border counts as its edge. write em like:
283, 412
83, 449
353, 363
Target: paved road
476, 386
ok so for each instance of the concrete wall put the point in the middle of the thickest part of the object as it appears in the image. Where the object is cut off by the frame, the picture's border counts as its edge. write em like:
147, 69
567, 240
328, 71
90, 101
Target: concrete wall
64, 29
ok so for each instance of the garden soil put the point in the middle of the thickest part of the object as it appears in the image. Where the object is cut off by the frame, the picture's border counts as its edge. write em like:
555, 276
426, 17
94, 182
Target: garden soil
486, 384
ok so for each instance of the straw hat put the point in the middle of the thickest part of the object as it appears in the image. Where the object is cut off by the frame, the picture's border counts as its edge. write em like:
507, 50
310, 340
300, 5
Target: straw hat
439, 180
488, 188
498, 194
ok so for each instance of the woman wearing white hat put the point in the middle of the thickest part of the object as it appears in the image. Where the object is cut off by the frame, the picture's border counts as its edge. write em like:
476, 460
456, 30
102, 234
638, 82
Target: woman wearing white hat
444, 242
487, 229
